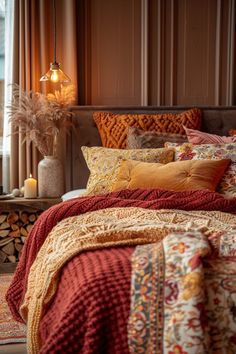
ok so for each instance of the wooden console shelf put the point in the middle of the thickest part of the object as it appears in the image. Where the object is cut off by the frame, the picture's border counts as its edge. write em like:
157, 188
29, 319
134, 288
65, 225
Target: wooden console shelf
28, 204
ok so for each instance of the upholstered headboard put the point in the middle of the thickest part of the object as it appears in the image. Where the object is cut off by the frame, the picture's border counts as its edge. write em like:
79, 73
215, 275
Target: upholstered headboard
216, 120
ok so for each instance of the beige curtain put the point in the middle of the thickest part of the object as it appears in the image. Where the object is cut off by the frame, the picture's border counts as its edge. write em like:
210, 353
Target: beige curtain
32, 54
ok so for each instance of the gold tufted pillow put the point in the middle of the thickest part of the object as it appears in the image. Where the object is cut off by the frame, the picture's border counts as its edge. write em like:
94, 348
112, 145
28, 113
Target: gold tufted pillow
188, 151
113, 127
176, 176
104, 163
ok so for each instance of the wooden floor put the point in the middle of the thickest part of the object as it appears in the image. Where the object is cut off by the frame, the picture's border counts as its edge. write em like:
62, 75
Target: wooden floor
17, 348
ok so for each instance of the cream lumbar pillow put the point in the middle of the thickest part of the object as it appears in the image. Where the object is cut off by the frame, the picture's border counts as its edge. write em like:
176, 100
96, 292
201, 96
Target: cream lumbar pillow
104, 164
176, 176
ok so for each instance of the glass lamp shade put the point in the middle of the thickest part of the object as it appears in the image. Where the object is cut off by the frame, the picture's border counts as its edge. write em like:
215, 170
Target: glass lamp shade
55, 74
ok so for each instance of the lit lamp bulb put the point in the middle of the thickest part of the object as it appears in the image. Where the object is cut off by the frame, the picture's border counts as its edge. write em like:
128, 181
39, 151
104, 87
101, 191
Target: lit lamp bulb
54, 76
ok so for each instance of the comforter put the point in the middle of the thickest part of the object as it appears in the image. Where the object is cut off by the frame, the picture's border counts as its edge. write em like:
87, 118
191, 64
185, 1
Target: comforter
72, 284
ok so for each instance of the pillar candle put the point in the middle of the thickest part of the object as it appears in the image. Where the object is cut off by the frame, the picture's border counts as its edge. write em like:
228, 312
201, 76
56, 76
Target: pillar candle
30, 186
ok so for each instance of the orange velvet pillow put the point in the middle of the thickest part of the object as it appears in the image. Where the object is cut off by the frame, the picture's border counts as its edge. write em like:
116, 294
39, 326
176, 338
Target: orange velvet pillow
113, 128
176, 176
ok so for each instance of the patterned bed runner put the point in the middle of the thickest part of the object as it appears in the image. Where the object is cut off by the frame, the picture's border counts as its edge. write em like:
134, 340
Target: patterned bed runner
183, 296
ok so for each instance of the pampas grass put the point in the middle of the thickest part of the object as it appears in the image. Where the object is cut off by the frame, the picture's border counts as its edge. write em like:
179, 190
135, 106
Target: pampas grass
41, 117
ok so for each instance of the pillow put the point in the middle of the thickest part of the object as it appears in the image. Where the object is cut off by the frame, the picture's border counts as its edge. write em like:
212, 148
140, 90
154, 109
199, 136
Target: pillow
73, 194
196, 137
188, 151
175, 176
139, 139
232, 132
104, 163
113, 127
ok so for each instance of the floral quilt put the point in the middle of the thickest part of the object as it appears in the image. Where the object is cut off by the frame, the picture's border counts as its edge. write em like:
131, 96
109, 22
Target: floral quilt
184, 295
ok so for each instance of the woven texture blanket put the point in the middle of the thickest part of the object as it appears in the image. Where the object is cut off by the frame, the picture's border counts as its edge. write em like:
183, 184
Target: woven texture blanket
108, 269
150, 199
102, 229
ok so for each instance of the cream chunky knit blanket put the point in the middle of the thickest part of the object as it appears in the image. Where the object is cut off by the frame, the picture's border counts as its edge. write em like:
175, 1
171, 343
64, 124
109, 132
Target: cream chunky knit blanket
102, 229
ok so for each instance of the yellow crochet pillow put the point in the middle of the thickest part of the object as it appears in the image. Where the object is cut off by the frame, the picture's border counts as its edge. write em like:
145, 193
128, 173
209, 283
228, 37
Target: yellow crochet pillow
113, 128
104, 164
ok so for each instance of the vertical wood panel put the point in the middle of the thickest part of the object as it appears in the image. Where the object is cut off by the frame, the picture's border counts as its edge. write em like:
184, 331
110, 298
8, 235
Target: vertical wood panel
196, 52
144, 52
218, 51
230, 52
157, 52
172, 53
115, 52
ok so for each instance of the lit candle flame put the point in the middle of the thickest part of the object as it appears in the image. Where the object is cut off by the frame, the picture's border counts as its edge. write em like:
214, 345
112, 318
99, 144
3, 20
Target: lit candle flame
30, 175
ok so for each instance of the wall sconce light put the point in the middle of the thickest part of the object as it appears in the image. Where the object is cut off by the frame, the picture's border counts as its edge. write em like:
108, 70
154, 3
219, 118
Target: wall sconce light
55, 74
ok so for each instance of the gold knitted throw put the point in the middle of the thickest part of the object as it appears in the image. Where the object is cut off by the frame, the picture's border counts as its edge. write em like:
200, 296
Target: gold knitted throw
100, 229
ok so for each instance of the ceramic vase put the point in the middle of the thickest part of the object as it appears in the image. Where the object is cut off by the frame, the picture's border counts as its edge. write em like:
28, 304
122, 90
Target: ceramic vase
50, 177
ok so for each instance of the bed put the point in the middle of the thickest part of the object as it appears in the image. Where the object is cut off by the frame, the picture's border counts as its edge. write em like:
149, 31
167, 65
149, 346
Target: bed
141, 270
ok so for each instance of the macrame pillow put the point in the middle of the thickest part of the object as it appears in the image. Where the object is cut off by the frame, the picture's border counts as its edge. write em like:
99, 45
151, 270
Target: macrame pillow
113, 127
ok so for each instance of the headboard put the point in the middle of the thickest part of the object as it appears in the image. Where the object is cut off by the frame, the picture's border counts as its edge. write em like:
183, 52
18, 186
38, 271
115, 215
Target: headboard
217, 120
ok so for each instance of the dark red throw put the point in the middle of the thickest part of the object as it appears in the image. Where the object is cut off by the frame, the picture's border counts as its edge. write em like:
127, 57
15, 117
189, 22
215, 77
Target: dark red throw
93, 292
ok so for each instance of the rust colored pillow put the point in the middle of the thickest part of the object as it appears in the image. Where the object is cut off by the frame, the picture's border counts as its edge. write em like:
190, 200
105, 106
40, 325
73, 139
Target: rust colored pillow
113, 127
232, 132
139, 139
175, 176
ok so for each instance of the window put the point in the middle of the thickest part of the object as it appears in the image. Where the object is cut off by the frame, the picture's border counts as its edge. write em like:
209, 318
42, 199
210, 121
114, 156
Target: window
2, 60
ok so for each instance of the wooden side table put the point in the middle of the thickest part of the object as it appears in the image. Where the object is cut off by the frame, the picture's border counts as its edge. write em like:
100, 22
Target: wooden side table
17, 217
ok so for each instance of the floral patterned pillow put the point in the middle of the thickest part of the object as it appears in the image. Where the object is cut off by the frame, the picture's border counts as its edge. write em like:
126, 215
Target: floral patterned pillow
104, 164
188, 151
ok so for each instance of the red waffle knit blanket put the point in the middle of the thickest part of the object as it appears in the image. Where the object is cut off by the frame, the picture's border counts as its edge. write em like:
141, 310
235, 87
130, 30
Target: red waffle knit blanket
91, 265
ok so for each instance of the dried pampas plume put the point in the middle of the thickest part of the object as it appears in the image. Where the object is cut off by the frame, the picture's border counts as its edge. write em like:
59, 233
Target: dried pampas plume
41, 117
65, 97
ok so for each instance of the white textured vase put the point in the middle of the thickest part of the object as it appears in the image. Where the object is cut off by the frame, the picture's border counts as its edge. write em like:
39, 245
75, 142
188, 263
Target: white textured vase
50, 177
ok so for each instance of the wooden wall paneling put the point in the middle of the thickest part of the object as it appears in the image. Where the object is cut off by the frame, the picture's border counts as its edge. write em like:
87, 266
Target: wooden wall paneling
115, 52
196, 40
172, 54
225, 54
84, 51
234, 64
144, 52
156, 52
230, 52
170, 46
217, 52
